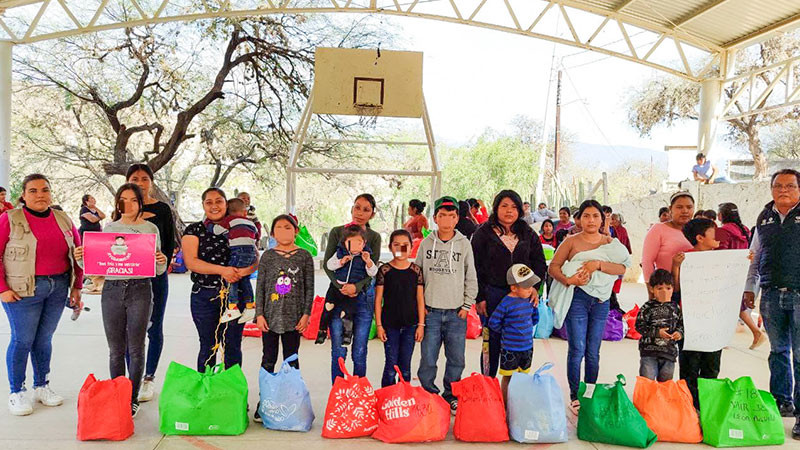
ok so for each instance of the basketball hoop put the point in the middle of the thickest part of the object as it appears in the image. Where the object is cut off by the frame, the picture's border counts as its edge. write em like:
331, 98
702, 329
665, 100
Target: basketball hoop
367, 114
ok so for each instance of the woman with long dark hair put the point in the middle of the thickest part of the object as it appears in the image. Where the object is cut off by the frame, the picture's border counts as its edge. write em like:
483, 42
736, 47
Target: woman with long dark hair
363, 293
465, 226
207, 254
126, 301
38, 273
734, 235
90, 218
417, 221
584, 270
504, 240
159, 214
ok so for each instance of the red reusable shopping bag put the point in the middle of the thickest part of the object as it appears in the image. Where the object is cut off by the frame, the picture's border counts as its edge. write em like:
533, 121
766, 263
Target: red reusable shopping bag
104, 409
474, 327
481, 414
251, 330
313, 321
410, 414
351, 410
414, 248
630, 318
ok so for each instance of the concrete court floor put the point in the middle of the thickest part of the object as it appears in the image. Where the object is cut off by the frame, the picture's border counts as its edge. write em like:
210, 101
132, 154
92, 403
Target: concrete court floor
80, 348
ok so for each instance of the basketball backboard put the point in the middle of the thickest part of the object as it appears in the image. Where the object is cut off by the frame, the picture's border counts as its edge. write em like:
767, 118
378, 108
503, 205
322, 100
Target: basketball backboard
358, 82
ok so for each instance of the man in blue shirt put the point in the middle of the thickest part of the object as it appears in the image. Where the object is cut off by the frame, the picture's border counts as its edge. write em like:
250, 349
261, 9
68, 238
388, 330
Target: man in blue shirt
706, 172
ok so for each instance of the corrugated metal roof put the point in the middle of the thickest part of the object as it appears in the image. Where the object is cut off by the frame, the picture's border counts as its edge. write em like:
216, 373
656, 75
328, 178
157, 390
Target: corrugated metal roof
721, 23
716, 23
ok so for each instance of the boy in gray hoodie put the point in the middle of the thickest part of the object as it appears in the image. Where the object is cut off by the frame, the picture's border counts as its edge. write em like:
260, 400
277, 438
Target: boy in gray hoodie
451, 285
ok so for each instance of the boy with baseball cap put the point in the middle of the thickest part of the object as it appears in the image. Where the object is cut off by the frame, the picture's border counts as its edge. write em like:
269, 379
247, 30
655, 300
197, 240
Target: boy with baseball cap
451, 285
514, 319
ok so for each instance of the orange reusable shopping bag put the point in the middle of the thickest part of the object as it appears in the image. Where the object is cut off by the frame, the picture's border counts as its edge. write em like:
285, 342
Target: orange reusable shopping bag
104, 409
351, 410
410, 414
667, 408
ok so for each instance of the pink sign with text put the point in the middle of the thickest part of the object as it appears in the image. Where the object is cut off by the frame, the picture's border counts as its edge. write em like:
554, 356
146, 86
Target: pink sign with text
119, 254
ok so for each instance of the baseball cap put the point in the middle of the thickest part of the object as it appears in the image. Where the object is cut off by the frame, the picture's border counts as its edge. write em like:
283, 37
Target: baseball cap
445, 201
521, 275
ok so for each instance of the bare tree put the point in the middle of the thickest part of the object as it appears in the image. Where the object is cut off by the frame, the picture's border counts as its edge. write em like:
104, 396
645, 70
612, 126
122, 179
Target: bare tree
664, 100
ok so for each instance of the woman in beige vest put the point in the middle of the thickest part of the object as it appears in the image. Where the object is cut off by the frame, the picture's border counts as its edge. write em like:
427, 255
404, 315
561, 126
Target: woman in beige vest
37, 276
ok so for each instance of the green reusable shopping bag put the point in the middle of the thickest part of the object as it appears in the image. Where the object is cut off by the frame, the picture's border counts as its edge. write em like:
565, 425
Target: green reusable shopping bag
737, 414
305, 241
373, 331
607, 415
210, 403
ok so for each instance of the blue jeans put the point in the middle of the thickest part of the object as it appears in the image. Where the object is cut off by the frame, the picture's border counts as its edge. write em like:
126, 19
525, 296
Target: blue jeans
206, 310
586, 321
155, 332
655, 368
442, 326
781, 313
399, 347
242, 290
33, 320
362, 322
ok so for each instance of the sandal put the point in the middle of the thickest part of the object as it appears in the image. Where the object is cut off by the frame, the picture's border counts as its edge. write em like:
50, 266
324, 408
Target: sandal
575, 406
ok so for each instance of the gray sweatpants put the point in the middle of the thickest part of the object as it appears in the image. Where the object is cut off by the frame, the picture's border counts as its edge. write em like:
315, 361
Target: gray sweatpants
126, 306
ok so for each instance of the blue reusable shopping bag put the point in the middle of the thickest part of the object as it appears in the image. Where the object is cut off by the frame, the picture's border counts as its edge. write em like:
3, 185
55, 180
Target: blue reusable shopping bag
285, 403
545, 326
536, 411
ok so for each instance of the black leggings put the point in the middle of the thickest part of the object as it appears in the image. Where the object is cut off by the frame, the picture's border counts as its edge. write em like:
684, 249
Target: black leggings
291, 344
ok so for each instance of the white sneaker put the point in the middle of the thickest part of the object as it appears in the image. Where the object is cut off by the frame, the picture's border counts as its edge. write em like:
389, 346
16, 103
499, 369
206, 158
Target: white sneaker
248, 315
47, 397
230, 314
19, 404
147, 391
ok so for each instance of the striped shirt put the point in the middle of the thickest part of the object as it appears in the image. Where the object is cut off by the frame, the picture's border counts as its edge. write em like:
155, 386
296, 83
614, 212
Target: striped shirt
240, 231
514, 319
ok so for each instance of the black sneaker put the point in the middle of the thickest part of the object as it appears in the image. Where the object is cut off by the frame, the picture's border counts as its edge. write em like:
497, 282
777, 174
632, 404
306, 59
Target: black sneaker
786, 409
453, 406
796, 430
134, 410
257, 417
321, 336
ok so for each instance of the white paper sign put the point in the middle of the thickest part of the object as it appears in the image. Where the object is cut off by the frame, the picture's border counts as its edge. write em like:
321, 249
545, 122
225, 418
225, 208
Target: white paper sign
712, 283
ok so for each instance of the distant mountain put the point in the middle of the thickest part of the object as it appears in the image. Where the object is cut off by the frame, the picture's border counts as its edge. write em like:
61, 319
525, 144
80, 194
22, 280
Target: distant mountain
605, 157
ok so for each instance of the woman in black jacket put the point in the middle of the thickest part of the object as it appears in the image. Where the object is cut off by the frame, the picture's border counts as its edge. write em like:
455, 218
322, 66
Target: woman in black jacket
505, 239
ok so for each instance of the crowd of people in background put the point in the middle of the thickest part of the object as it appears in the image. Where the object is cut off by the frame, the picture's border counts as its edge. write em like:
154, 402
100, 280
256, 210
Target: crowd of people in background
492, 260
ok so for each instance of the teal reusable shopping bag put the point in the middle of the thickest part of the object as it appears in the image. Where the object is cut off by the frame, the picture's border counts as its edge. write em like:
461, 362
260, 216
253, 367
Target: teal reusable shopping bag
607, 415
737, 414
210, 403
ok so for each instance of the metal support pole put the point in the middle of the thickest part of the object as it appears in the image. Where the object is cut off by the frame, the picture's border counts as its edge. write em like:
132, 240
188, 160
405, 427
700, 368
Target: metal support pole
709, 104
5, 113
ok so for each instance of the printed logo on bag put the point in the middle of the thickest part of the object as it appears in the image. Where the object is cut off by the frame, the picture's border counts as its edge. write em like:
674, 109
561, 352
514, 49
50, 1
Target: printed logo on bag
531, 435
213, 427
589, 391
735, 434
355, 408
397, 408
277, 412
181, 426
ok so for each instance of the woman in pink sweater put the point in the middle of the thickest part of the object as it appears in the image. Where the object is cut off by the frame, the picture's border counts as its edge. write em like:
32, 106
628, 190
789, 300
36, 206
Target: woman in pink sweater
35, 301
665, 240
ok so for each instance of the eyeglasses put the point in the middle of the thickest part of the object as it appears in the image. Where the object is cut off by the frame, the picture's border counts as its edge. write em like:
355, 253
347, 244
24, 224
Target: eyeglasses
780, 187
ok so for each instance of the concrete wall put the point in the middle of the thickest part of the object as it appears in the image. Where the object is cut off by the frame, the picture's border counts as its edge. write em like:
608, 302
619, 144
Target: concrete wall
641, 213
